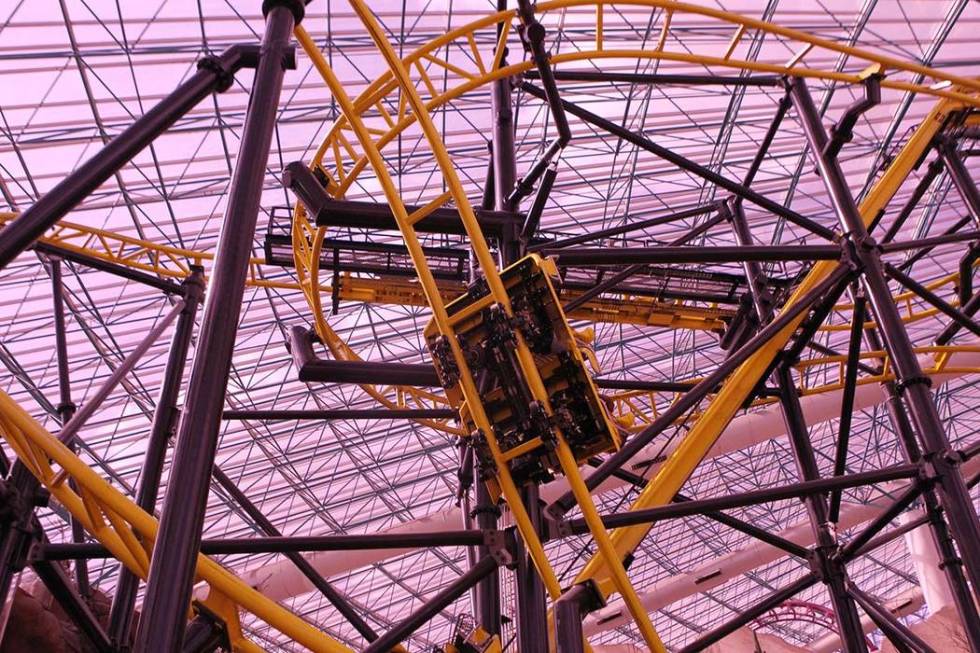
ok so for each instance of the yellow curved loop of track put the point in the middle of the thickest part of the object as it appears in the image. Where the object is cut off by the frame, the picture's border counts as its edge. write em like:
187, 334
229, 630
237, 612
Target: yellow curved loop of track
386, 110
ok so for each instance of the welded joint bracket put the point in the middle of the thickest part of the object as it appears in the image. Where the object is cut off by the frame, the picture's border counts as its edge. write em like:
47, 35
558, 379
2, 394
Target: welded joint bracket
500, 547
826, 562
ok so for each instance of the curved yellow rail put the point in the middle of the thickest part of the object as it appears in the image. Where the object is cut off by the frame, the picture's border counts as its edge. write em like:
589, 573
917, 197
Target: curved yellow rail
387, 115
394, 101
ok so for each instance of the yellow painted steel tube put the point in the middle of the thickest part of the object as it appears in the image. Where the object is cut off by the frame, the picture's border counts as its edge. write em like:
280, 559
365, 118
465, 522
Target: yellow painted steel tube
488, 266
607, 550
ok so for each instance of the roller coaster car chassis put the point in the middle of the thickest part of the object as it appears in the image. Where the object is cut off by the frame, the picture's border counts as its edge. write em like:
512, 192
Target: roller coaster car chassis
521, 424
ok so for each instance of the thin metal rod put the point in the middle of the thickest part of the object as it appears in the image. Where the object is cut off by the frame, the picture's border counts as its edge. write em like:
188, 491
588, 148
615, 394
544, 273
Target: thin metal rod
56, 580
66, 408
924, 251
766, 143
164, 424
847, 402
917, 194
742, 499
896, 632
70, 430
175, 553
131, 274
626, 228
897, 507
755, 611
619, 277
930, 242
340, 414
932, 298
670, 255
658, 78
688, 165
433, 606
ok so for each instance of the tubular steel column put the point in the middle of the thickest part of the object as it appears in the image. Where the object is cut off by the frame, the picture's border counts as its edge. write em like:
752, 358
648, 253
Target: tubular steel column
178, 540
163, 427
570, 611
952, 563
941, 465
532, 603
488, 589
825, 554
66, 407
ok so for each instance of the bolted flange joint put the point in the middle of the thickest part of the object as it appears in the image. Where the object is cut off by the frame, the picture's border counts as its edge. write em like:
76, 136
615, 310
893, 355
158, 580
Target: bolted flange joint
297, 7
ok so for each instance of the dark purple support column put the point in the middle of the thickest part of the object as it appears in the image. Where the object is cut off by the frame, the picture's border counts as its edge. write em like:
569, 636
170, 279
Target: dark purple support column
66, 407
952, 563
488, 588
161, 430
941, 464
825, 556
213, 74
178, 541
532, 608
570, 611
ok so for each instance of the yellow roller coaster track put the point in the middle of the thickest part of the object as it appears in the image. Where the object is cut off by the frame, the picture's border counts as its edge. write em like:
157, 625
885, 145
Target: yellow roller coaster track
348, 157
129, 532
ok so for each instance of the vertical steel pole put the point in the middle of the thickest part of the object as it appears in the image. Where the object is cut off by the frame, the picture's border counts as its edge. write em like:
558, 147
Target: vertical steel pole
488, 589
504, 177
570, 610
952, 563
66, 407
162, 429
825, 554
912, 385
178, 541
532, 605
